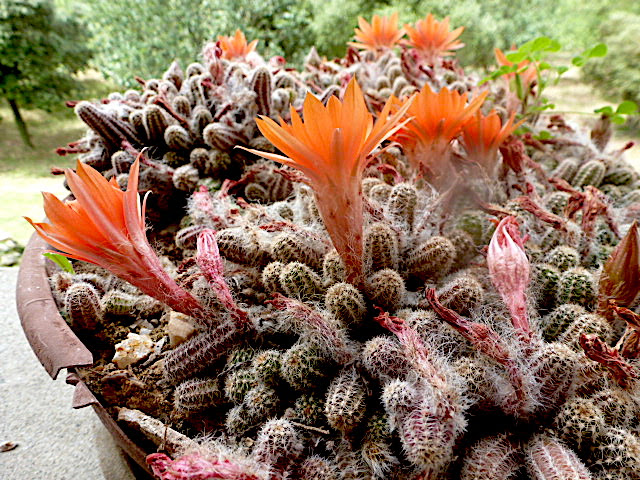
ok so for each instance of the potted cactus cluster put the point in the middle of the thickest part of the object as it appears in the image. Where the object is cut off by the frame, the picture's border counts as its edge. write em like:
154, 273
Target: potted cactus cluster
376, 267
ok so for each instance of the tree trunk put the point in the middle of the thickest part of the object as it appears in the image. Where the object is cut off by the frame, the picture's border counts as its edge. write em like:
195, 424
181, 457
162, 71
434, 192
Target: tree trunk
22, 127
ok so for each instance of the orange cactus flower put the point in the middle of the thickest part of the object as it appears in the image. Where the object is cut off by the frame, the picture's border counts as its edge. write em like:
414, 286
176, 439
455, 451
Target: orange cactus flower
481, 137
383, 33
528, 74
437, 118
105, 226
331, 147
433, 38
236, 46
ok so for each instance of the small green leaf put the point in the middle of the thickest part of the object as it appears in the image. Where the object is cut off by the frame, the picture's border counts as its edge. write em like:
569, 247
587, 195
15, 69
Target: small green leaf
544, 66
578, 61
617, 119
541, 43
608, 111
60, 260
515, 57
600, 50
544, 135
627, 108
555, 46
562, 69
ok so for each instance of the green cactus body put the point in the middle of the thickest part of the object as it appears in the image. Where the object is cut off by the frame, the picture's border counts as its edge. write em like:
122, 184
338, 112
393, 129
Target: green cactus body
82, 304
579, 422
238, 383
345, 405
617, 448
308, 409
266, 365
376, 448
155, 123
200, 118
618, 407
576, 286
462, 294
271, 277
278, 443
318, 468
261, 84
197, 394
386, 289
238, 421
346, 303
431, 259
563, 258
476, 224
186, 178
401, 206
587, 323
333, 270
620, 176
384, 358
566, 170
591, 173
117, 302
545, 280
464, 245
380, 248
557, 322
222, 137
261, 403
303, 366
177, 138
241, 246
297, 247
556, 202
301, 282
630, 198
380, 193
182, 106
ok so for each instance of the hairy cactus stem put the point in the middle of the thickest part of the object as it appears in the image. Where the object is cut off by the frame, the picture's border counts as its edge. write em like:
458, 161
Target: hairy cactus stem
162, 102
194, 466
335, 339
596, 349
486, 340
210, 262
414, 347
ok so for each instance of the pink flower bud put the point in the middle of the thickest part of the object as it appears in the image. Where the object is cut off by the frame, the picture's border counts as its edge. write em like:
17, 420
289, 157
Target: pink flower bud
509, 271
196, 467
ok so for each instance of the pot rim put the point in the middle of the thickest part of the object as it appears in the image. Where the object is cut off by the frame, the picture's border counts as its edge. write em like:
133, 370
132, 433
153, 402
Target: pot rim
54, 343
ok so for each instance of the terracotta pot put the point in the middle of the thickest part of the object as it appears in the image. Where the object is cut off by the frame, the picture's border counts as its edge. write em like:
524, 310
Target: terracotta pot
55, 344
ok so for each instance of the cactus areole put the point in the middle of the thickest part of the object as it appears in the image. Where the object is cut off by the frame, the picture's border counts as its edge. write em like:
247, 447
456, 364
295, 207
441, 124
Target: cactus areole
362, 269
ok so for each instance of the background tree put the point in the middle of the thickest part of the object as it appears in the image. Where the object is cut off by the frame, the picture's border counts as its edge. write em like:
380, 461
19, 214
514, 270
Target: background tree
39, 52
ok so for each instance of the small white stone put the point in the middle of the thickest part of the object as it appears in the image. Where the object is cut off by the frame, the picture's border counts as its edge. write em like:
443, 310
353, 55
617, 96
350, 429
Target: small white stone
179, 328
132, 350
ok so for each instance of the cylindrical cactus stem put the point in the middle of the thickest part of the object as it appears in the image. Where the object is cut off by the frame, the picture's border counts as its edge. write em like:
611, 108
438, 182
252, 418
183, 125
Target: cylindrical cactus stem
333, 270
345, 406
261, 84
477, 224
303, 366
111, 129
187, 237
556, 322
620, 176
576, 285
556, 202
548, 459
617, 448
591, 173
200, 351
200, 118
174, 74
301, 282
182, 106
266, 365
579, 422
585, 324
566, 170
223, 137
238, 383
82, 304
271, 277
432, 258
376, 448
618, 406
495, 458
563, 258
386, 289
401, 206
136, 118
346, 303
278, 444
297, 247
261, 403
155, 123
308, 409
316, 467
122, 161
241, 246
380, 248
383, 357
544, 283
197, 394
399, 397
177, 138
555, 372
186, 178
462, 294
117, 302
238, 421
464, 245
